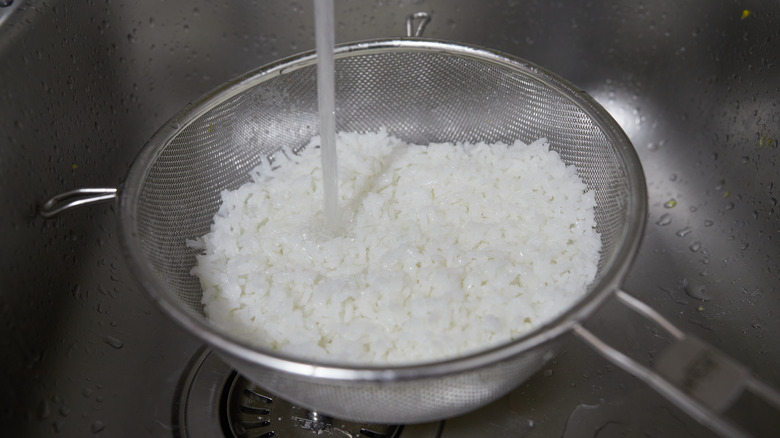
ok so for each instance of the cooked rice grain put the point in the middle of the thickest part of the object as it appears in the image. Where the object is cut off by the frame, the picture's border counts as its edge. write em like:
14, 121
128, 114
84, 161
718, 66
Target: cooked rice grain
446, 249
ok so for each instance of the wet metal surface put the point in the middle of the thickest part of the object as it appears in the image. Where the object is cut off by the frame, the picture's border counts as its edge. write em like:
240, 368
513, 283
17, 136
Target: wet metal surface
695, 85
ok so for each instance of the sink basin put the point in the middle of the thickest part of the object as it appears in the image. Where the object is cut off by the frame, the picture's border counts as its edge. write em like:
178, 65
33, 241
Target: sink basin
695, 85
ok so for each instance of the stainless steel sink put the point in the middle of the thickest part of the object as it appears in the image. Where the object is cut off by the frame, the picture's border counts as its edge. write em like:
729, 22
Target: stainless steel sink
695, 85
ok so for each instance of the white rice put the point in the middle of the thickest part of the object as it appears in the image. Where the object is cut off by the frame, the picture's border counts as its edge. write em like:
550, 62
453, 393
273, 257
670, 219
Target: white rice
446, 249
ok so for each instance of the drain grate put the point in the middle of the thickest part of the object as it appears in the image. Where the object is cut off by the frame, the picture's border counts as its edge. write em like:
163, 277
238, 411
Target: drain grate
215, 401
251, 412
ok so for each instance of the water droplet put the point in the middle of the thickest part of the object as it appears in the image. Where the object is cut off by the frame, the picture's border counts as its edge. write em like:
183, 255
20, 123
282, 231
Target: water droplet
684, 232
579, 417
670, 203
78, 294
43, 411
665, 219
114, 342
97, 426
708, 223
696, 291
695, 246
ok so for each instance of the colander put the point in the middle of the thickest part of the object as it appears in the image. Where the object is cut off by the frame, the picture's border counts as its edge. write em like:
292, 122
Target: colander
421, 91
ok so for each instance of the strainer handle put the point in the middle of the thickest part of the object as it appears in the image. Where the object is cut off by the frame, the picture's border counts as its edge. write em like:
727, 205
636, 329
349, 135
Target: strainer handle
75, 198
696, 377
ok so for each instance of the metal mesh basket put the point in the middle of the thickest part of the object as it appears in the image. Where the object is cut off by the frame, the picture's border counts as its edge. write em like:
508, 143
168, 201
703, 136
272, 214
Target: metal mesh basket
422, 92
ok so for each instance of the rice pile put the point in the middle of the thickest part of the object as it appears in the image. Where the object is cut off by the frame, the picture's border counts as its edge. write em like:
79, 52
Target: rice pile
446, 249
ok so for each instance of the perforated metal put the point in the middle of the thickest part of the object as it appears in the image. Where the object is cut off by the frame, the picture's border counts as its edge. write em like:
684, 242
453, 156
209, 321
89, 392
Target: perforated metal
419, 92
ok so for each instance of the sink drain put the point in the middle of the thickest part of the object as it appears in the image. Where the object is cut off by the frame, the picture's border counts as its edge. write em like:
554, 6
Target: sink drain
252, 412
215, 401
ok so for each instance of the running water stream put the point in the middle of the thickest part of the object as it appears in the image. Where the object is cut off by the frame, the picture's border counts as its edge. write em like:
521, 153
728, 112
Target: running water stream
326, 99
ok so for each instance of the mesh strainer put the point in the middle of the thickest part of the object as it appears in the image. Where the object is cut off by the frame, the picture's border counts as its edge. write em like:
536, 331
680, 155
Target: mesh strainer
421, 91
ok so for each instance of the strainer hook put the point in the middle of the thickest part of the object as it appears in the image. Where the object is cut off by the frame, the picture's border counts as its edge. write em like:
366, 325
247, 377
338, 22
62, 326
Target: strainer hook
424, 18
74, 198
